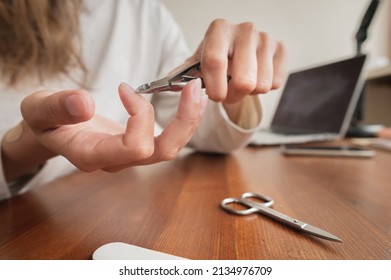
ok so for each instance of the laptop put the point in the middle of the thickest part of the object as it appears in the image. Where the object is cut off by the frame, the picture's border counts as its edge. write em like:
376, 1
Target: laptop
316, 104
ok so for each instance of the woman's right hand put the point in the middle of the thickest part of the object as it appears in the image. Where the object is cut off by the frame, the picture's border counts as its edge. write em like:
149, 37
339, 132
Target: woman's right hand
64, 123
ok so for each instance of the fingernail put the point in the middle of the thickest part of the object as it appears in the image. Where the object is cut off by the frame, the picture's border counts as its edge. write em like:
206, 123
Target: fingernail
72, 104
197, 90
127, 87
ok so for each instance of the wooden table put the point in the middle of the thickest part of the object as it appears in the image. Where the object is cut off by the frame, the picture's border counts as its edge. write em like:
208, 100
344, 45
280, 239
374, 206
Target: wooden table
173, 207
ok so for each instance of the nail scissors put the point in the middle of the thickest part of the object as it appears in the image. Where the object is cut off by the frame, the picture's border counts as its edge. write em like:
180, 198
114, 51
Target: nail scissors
247, 200
174, 82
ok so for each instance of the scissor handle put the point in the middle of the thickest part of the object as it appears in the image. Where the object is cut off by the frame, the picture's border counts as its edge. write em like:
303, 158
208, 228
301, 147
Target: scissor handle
227, 203
267, 201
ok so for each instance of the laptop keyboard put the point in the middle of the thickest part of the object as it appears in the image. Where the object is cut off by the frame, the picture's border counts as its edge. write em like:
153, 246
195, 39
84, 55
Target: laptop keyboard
264, 137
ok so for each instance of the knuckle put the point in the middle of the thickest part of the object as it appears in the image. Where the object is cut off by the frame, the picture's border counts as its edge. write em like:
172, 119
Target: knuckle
219, 22
51, 111
244, 85
263, 86
267, 40
190, 122
142, 152
276, 83
218, 98
85, 166
83, 162
213, 60
166, 153
29, 102
169, 154
248, 27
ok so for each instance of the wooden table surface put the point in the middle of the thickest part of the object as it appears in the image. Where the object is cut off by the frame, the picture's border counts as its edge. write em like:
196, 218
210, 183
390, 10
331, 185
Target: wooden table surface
173, 207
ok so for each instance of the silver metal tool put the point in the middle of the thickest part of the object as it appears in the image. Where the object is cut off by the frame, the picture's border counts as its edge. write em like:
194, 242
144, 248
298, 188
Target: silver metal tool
174, 82
264, 208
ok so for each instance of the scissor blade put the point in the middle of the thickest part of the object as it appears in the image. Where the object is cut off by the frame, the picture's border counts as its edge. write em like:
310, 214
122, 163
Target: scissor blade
173, 82
143, 87
156, 86
320, 233
294, 223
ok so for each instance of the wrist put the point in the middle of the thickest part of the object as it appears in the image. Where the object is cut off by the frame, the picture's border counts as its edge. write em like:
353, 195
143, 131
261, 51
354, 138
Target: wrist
22, 155
247, 113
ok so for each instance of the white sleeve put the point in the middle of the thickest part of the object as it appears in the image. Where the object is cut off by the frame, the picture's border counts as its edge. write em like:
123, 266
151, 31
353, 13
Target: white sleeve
217, 133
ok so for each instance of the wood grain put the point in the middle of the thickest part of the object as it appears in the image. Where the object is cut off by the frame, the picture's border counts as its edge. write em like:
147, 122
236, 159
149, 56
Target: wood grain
173, 207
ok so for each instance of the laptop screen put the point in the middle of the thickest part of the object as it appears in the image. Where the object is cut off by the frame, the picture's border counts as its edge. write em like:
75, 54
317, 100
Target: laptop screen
320, 99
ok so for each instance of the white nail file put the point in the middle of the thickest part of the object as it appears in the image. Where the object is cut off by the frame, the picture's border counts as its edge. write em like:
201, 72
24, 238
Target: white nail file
124, 251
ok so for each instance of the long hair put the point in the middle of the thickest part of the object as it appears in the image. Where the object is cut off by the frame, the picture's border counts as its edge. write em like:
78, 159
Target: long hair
39, 39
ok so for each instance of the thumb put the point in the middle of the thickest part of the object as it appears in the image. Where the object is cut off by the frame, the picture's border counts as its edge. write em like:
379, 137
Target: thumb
43, 110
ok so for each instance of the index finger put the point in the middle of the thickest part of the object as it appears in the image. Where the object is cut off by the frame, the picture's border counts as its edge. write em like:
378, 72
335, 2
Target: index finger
214, 60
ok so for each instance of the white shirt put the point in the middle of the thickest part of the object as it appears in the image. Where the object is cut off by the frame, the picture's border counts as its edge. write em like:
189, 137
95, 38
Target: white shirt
132, 41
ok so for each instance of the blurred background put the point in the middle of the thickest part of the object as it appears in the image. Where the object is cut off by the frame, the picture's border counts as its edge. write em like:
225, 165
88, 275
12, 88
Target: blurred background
314, 31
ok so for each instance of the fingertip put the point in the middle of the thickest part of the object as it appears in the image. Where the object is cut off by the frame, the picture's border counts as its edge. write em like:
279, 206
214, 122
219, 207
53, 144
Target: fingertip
192, 91
133, 102
193, 99
198, 84
124, 91
124, 87
80, 105
44, 110
196, 90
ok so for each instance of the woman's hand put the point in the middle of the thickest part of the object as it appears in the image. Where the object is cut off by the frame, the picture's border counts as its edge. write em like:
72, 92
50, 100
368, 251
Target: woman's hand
255, 62
64, 123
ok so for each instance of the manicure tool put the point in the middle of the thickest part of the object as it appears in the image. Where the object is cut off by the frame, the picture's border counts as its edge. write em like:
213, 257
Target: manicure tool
247, 200
175, 81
